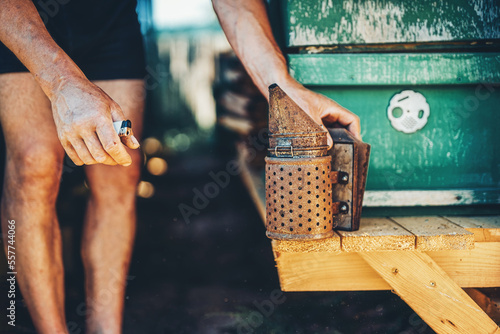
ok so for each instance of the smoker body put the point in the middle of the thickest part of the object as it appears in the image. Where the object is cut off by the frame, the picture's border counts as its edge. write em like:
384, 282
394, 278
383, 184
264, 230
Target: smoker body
302, 175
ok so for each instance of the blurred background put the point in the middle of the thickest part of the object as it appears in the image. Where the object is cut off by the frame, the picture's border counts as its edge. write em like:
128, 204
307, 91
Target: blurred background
209, 269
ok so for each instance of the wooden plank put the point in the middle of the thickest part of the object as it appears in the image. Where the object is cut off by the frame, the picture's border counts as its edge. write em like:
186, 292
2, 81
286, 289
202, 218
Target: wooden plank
343, 271
475, 268
328, 245
430, 292
485, 228
436, 233
377, 234
326, 272
395, 68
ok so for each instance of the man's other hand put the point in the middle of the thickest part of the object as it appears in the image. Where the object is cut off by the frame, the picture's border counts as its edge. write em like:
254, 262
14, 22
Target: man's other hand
84, 117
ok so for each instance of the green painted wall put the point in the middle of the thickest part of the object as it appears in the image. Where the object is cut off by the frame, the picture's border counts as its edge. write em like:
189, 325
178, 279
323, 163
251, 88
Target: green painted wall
459, 147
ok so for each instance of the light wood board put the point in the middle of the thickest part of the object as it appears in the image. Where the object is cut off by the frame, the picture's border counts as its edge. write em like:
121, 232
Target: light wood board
430, 292
436, 233
377, 234
346, 271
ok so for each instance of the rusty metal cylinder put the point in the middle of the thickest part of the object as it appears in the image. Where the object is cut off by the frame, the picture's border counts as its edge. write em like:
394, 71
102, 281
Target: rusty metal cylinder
298, 185
299, 198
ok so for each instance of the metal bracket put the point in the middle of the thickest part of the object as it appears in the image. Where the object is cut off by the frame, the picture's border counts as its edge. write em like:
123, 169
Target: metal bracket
340, 207
339, 177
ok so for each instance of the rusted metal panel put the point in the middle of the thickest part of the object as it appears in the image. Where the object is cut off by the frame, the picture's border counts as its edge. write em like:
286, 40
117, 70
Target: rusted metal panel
350, 157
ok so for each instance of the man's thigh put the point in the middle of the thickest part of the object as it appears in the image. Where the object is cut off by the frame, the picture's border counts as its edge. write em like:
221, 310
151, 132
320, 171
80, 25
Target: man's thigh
26, 120
129, 94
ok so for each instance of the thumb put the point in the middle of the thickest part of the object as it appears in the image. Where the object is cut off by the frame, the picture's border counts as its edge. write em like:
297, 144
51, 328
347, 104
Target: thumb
329, 140
129, 140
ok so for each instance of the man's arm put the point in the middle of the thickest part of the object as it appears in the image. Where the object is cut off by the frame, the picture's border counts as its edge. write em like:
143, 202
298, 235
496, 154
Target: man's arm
248, 30
82, 112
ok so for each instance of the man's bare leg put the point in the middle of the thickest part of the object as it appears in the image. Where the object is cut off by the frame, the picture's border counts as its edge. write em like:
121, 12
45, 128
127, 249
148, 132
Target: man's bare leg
31, 183
110, 222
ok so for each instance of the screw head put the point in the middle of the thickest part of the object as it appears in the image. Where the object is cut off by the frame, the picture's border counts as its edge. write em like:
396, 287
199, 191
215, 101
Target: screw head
345, 178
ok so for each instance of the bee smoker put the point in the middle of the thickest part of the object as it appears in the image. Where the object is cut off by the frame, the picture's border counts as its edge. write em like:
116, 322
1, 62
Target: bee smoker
310, 190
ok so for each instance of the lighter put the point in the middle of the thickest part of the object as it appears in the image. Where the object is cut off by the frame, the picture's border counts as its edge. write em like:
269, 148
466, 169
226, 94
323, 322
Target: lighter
123, 128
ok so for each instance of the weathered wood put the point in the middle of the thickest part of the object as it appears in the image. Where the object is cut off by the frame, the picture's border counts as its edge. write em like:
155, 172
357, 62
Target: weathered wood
326, 22
436, 233
430, 292
402, 198
327, 245
485, 228
377, 234
343, 271
395, 68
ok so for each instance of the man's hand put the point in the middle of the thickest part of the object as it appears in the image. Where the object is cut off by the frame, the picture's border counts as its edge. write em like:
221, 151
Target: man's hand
323, 110
84, 117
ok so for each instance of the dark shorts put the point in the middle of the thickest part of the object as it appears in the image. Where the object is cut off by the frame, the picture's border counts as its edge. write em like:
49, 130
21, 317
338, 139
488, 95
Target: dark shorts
102, 37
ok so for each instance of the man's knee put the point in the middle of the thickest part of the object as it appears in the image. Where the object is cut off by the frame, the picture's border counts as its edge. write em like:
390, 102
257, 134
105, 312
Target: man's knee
35, 167
110, 183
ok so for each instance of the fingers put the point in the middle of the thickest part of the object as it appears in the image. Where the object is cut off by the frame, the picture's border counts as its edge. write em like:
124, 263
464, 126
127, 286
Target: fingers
83, 152
97, 151
112, 144
72, 153
343, 117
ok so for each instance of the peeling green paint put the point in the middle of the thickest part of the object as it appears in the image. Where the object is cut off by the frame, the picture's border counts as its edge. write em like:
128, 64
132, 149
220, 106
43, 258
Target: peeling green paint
328, 22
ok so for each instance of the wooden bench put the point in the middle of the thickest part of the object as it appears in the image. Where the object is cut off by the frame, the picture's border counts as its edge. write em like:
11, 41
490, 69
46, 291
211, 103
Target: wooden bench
425, 260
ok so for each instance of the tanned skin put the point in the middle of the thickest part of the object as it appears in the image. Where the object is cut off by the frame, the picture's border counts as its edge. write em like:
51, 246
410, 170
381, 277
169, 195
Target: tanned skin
44, 113
247, 28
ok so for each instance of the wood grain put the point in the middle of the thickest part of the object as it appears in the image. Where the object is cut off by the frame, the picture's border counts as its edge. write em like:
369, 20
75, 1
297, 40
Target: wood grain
326, 272
343, 271
475, 268
436, 233
377, 234
430, 292
328, 245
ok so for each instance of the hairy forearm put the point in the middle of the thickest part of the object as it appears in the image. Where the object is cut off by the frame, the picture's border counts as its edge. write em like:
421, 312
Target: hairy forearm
248, 30
24, 33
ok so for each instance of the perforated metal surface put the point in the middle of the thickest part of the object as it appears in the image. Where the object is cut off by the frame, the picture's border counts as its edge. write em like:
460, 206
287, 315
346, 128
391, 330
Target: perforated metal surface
298, 198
